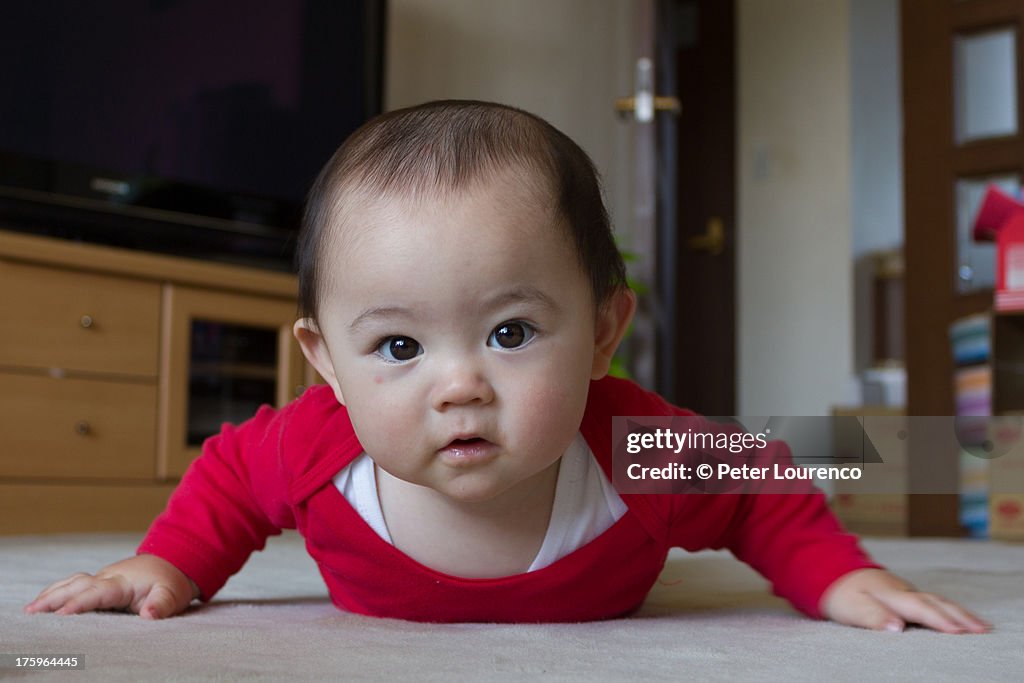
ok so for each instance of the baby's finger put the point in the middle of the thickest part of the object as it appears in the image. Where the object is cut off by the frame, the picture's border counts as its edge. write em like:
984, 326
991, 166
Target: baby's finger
959, 614
56, 585
54, 597
920, 609
101, 594
160, 603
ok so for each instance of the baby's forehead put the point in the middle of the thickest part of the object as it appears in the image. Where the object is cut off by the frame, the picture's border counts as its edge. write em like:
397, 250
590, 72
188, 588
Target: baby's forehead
388, 248
516, 201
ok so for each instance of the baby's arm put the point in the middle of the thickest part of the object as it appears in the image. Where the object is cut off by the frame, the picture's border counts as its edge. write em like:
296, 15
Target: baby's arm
797, 543
876, 599
145, 584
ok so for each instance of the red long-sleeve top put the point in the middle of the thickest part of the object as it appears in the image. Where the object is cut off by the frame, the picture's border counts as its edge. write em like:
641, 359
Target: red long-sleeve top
275, 472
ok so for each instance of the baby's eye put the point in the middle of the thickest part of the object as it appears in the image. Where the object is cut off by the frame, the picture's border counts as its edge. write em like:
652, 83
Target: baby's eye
399, 349
511, 335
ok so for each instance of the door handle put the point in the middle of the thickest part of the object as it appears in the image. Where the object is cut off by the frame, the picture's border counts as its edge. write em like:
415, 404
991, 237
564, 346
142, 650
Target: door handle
628, 105
644, 102
713, 239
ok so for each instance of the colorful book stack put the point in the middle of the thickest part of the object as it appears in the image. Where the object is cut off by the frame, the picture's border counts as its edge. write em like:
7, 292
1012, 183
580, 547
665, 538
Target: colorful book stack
972, 347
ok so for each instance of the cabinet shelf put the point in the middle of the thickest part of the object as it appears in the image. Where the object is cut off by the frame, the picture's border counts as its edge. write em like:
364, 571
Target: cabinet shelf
172, 348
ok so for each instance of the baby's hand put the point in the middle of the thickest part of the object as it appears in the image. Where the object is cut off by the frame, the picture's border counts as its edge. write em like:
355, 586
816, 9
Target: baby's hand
145, 584
876, 599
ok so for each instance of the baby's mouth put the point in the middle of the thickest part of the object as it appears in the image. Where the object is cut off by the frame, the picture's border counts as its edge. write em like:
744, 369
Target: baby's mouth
468, 451
458, 443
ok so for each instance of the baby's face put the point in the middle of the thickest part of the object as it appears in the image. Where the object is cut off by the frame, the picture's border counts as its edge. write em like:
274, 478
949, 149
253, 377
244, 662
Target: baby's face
460, 335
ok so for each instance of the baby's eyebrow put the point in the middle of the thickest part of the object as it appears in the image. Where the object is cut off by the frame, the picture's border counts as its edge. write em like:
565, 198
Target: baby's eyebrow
525, 294
378, 312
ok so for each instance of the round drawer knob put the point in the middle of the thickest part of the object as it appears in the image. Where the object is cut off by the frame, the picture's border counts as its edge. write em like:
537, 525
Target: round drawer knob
87, 321
82, 428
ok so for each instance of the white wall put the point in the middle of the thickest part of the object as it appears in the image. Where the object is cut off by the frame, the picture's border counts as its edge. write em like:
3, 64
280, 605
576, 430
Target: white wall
565, 61
877, 161
795, 302
876, 125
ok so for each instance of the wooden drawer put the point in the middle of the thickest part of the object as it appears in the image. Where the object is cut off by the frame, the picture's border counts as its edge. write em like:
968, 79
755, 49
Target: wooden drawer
78, 321
62, 428
47, 508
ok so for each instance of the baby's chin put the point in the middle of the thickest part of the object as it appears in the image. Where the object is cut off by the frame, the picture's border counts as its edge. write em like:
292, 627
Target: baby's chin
466, 488
488, 485
481, 490
474, 493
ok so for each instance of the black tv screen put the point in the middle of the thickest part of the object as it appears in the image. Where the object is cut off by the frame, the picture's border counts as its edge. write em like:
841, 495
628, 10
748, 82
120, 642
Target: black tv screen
184, 126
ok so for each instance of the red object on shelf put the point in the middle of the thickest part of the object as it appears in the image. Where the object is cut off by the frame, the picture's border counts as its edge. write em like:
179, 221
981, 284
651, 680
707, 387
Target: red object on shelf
1001, 219
996, 209
1010, 250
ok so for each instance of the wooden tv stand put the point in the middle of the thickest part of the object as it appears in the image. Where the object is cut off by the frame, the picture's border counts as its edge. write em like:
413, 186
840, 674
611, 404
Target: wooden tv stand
97, 369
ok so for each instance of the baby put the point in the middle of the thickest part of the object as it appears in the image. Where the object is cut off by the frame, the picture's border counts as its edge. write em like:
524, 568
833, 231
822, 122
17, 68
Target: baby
462, 296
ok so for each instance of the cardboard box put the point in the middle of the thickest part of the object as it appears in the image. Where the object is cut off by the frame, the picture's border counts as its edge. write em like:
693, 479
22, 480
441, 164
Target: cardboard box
1006, 498
1006, 516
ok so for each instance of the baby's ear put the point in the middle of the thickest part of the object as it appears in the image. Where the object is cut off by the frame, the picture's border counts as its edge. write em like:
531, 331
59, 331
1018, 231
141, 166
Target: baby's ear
314, 348
613, 319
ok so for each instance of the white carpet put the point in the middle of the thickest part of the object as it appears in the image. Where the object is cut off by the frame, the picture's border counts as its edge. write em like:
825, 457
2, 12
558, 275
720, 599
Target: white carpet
709, 618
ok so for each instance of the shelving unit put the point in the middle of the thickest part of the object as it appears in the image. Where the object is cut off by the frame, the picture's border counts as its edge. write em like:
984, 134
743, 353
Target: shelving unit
1006, 472
1008, 368
115, 364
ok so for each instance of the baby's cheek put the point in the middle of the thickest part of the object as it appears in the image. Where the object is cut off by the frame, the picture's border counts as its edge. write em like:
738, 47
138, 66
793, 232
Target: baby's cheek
552, 415
378, 419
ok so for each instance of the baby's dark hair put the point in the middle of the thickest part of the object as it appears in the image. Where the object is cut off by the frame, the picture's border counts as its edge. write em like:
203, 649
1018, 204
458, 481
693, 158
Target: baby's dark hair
444, 146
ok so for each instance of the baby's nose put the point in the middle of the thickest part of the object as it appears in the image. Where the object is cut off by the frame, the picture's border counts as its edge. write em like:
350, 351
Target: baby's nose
461, 383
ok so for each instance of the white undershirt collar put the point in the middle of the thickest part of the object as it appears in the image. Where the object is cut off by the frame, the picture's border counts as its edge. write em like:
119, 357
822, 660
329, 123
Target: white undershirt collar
585, 505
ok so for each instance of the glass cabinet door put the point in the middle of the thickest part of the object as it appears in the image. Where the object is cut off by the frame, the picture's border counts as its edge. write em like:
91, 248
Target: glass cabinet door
232, 371
224, 355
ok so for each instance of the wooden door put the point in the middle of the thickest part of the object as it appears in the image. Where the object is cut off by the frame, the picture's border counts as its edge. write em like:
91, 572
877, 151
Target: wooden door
945, 151
699, 349
683, 344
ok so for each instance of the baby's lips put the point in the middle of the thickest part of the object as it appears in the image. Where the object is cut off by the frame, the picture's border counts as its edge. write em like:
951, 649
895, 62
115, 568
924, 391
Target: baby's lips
464, 438
463, 442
